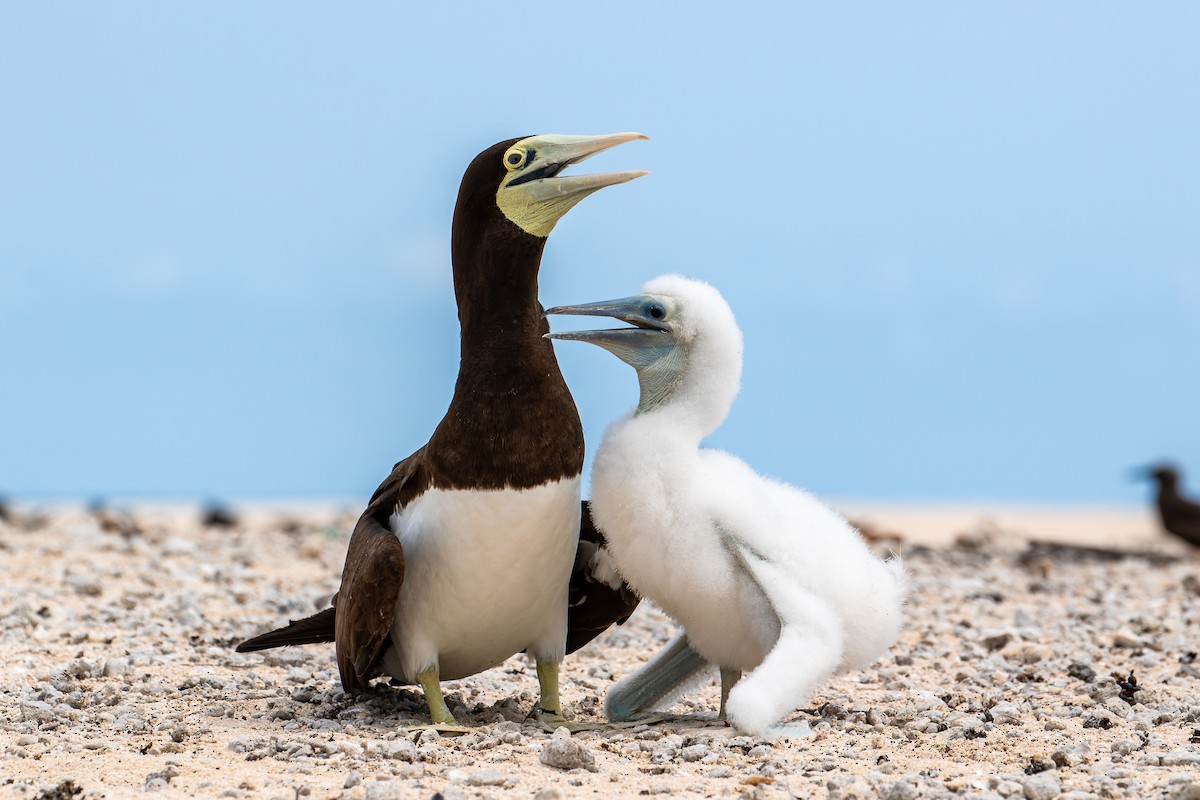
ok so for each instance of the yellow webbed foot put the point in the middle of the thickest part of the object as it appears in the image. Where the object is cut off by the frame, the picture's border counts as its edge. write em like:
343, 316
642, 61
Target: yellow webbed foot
440, 718
450, 728
550, 721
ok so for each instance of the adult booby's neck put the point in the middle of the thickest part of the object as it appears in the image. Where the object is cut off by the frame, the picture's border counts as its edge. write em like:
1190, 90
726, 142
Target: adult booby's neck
496, 289
512, 422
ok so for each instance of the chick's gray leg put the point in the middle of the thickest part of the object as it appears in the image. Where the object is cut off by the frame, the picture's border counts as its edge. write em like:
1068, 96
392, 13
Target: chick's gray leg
729, 677
657, 681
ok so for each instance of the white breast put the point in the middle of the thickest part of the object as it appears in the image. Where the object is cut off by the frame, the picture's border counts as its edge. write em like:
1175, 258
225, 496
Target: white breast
486, 576
650, 498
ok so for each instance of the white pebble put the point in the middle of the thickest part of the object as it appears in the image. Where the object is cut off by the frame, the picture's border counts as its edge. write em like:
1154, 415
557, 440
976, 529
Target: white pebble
563, 752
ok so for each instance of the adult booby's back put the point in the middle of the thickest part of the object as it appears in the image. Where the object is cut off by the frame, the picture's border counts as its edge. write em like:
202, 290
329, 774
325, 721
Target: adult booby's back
464, 554
761, 575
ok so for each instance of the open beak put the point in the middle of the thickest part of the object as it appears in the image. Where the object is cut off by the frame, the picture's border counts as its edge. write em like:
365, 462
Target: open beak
555, 152
537, 196
645, 343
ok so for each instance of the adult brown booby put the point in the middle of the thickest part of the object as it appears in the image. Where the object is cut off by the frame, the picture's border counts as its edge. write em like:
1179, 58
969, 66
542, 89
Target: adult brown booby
467, 552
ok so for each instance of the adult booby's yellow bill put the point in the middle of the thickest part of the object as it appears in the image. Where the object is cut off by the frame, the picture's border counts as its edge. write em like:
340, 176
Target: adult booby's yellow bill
465, 552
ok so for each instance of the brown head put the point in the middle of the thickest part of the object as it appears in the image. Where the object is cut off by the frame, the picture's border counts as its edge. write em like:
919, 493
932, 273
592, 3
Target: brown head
1166, 475
510, 199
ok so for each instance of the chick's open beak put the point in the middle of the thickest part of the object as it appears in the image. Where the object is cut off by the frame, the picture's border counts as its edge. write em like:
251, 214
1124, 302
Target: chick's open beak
645, 343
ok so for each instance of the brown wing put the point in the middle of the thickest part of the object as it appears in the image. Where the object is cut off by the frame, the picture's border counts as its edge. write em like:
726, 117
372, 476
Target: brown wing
371, 578
594, 606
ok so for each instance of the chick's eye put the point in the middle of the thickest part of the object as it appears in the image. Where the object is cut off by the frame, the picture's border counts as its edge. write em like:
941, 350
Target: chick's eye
514, 159
656, 311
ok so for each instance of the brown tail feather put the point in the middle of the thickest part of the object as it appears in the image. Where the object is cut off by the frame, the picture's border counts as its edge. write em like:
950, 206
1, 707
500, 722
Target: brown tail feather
311, 630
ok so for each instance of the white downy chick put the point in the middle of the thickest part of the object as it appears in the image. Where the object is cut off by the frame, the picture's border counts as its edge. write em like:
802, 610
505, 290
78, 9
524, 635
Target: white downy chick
763, 578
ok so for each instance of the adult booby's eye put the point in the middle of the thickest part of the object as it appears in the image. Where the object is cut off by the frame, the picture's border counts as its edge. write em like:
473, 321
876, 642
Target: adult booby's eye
656, 311
515, 159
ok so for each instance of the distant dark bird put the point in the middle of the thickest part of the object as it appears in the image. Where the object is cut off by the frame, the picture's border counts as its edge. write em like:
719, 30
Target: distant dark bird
470, 551
215, 515
1178, 514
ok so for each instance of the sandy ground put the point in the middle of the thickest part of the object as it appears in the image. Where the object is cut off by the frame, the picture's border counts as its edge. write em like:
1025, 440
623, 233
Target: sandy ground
119, 678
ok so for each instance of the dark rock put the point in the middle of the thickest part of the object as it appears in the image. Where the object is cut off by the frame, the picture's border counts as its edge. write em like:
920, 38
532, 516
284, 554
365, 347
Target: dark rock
998, 642
1081, 672
63, 791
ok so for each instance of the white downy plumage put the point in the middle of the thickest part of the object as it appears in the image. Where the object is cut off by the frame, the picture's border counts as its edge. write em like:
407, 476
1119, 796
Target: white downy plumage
762, 576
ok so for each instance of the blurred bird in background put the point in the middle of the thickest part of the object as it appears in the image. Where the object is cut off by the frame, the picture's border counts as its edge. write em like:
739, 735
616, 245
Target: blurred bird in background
1179, 515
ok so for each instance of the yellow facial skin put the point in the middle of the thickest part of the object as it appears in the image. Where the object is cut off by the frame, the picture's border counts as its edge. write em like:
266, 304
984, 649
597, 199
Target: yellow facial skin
534, 197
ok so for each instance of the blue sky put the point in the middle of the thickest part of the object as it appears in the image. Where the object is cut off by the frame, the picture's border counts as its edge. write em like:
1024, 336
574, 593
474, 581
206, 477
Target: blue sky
962, 239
